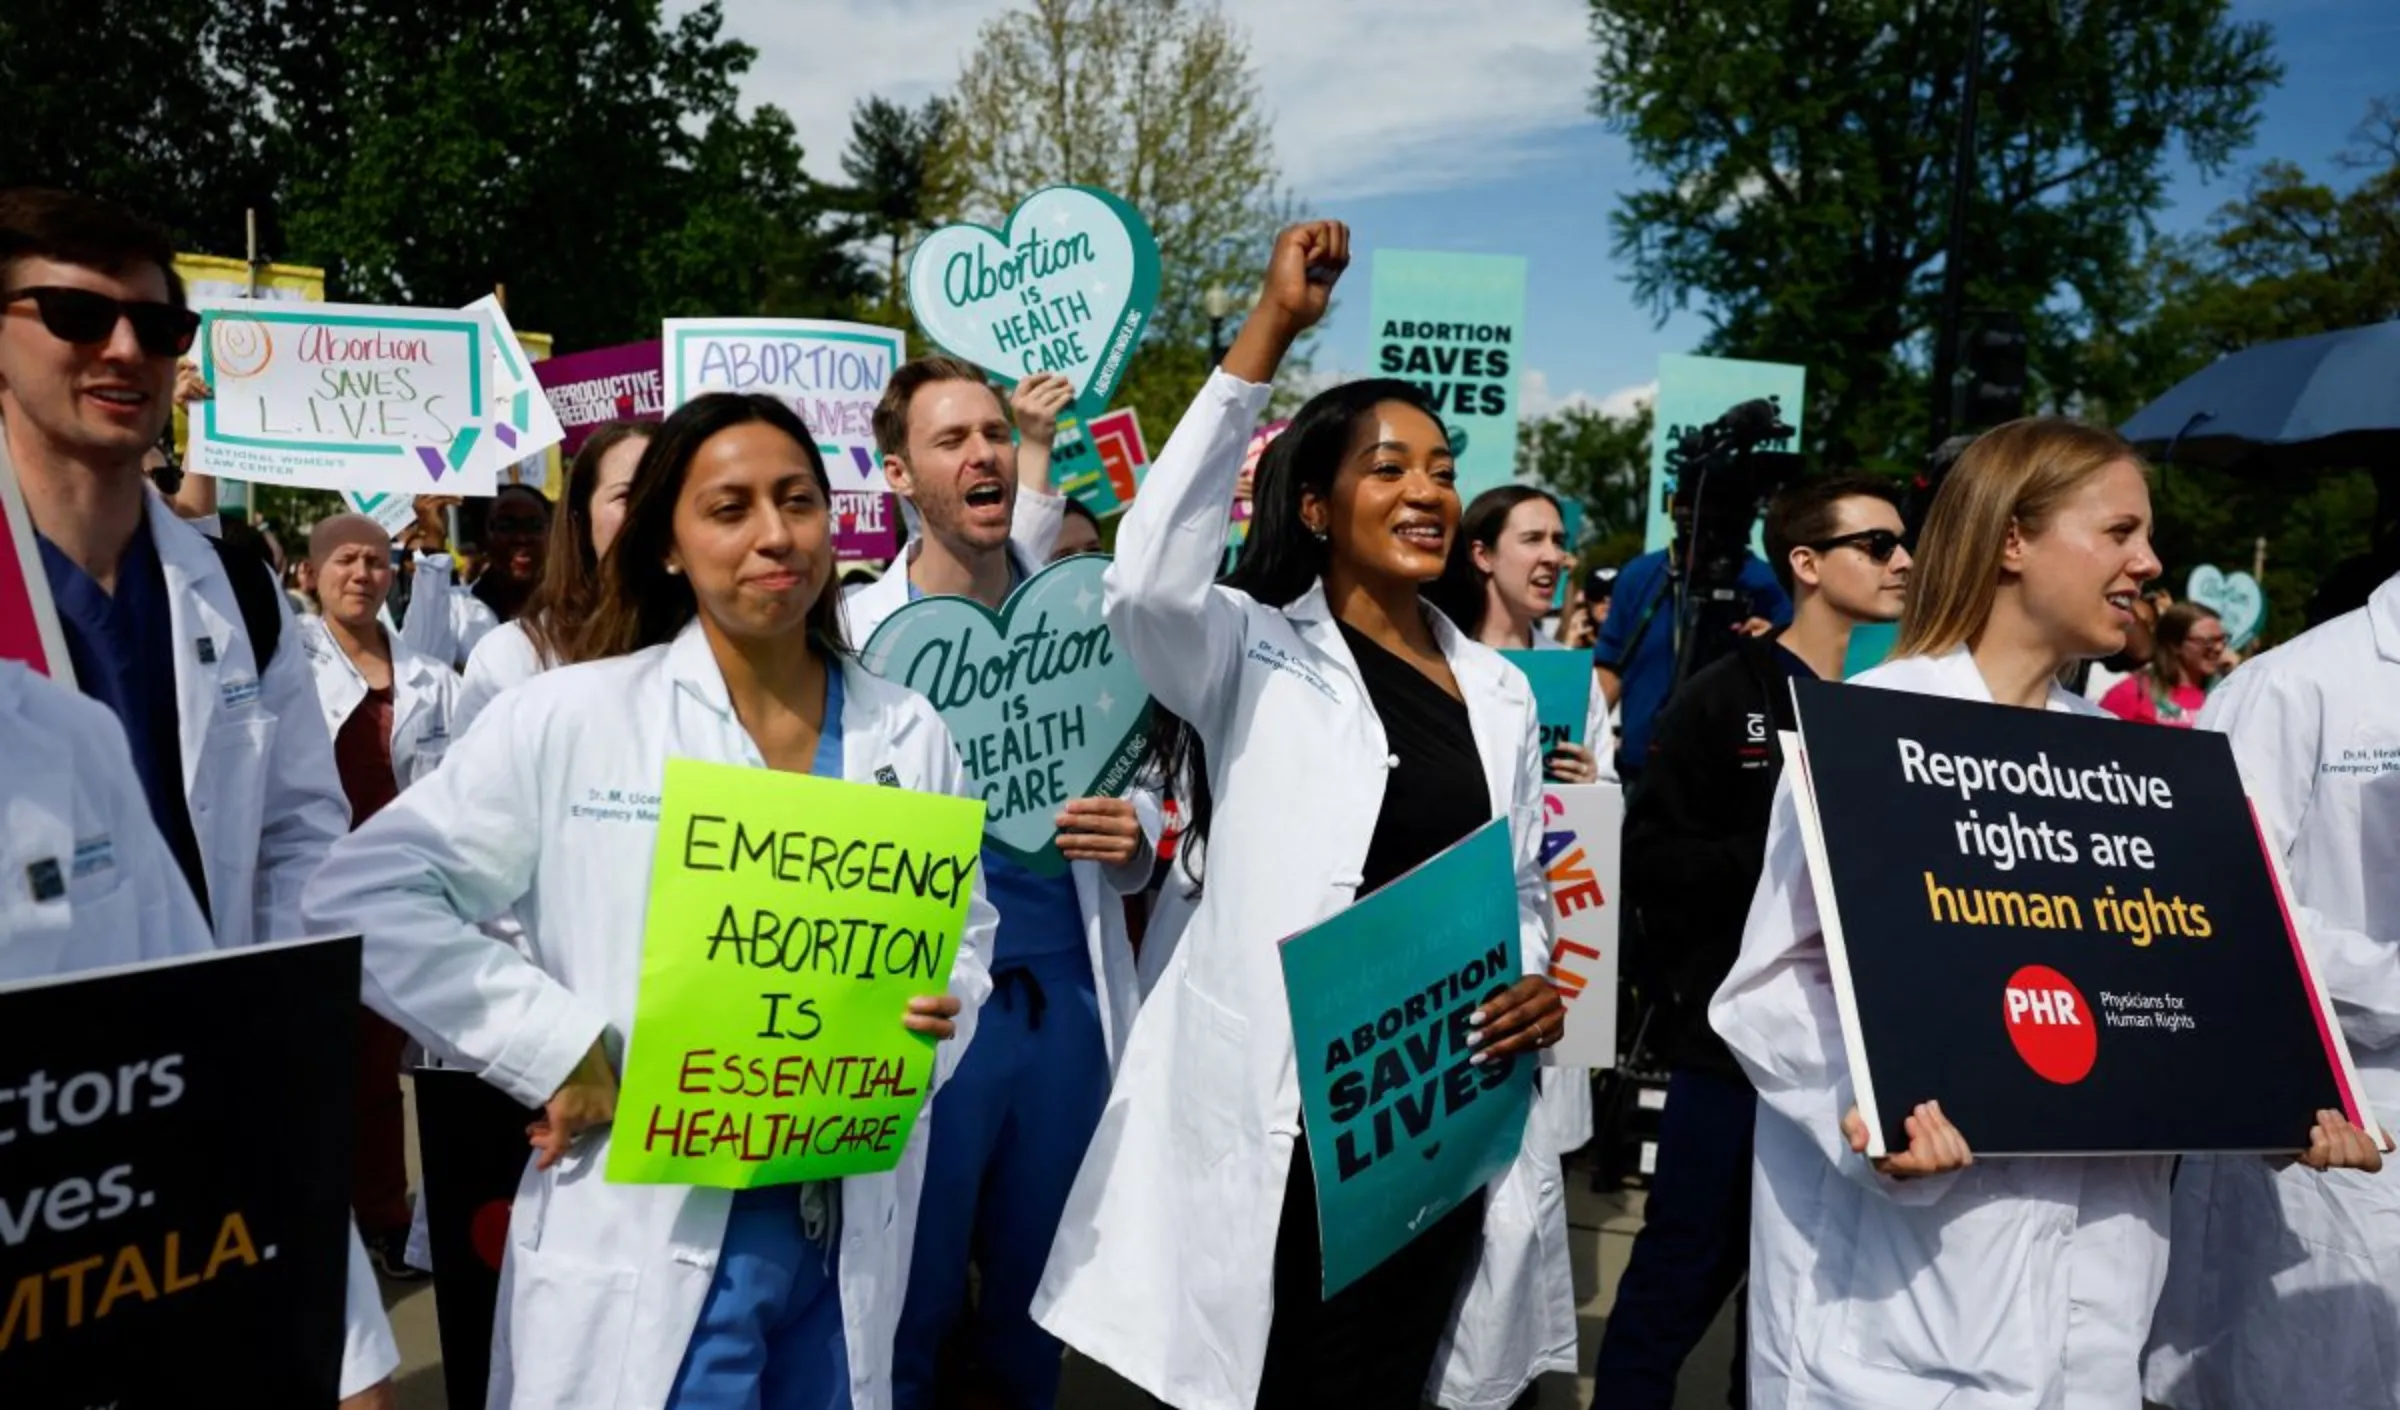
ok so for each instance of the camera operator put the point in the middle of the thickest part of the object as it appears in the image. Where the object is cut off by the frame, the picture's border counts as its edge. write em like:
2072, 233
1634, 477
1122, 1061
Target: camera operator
1677, 609
1695, 838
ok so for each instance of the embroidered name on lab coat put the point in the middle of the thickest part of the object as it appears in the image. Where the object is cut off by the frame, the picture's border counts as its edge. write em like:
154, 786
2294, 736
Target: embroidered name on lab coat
236, 694
94, 854
1275, 658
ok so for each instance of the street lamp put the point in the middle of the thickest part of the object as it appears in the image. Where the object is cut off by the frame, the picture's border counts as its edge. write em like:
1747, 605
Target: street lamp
1219, 303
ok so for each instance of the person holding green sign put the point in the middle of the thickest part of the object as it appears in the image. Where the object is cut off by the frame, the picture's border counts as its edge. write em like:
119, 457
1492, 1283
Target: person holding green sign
1339, 734
716, 637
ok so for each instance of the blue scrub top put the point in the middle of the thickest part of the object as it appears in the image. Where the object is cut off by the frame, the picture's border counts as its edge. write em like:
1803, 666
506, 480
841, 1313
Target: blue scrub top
122, 645
1647, 667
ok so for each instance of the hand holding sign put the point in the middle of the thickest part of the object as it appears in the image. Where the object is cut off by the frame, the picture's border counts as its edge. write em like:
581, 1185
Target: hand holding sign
1523, 1018
2335, 1144
1037, 402
1102, 830
1935, 1147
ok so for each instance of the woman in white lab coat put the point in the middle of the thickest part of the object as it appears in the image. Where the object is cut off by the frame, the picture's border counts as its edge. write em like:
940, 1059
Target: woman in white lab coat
1923, 1278
719, 594
599, 483
1321, 689
2285, 1286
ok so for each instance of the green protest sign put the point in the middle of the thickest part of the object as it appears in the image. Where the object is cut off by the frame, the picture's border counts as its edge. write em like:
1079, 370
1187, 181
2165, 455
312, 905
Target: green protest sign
791, 920
1454, 325
1043, 705
1066, 286
1693, 391
1562, 692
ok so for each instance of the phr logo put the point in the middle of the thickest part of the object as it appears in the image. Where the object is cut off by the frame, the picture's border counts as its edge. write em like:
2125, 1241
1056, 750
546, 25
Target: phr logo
2050, 1024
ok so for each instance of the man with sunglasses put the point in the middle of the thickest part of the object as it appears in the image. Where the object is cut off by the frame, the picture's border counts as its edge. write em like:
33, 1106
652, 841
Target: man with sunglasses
1695, 839
231, 751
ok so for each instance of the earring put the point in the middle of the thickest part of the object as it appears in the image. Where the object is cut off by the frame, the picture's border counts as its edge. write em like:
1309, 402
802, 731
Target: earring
1320, 533
675, 570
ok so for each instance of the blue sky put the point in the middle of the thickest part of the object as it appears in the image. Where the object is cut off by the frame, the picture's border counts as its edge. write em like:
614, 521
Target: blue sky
1473, 137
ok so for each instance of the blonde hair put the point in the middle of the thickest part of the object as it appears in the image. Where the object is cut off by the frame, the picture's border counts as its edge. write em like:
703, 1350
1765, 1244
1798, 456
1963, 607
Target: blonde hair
2020, 474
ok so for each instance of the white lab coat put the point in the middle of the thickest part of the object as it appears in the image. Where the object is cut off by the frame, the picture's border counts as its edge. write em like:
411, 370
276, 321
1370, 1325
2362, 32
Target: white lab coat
1164, 1264
1099, 891
444, 621
424, 698
67, 786
503, 660
2019, 1284
603, 1283
2285, 1285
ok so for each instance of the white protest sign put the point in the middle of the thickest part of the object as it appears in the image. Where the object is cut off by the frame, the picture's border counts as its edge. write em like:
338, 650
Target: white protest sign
832, 374
524, 426
1581, 825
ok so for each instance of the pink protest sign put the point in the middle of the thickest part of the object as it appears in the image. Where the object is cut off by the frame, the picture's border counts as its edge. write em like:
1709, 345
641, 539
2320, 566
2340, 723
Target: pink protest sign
586, 389
29, 629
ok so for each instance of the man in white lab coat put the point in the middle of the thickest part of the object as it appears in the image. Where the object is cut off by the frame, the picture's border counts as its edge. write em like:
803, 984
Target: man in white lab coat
2283, 1287
388, 709
1010, 1130
222, 726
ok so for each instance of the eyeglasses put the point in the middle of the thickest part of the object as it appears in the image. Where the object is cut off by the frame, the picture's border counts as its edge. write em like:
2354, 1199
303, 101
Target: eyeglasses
85, 318
2207, 643
1878, 544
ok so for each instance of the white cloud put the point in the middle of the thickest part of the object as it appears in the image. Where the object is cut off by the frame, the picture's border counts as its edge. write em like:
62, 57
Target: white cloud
1364, 97
1535, 398
1625, 401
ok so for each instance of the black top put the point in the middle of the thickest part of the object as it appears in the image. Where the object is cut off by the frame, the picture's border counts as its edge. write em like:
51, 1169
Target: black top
1436, 795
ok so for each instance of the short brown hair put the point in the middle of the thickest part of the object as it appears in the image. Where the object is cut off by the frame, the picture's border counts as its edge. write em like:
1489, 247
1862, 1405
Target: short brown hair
1804, 514
909, 378
37, 223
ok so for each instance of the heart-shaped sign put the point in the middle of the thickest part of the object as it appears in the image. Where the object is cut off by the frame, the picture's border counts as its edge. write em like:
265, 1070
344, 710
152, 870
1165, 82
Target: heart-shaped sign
1043, 705
2237, 599
1066, 287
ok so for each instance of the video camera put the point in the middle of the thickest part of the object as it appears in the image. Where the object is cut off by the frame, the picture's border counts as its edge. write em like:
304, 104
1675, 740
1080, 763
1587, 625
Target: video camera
1725, 472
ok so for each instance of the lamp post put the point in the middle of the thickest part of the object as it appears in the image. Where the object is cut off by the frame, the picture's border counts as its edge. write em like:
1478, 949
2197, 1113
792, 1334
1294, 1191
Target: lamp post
1218, 300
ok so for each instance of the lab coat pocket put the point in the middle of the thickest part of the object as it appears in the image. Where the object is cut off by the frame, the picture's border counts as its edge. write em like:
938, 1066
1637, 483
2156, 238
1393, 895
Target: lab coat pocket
1210, 1066
569, 1326
1952, 1290
229, 805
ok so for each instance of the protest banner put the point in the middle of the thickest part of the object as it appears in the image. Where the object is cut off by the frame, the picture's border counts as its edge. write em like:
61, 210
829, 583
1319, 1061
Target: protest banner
471, 1151
1562, 693
174, 1204
2237, 599
524, 427
791, 920
1066, 286
1453, 324
29, 630
209, 278
589, 389
832, 374
1104, 479
1582, 826
1043, 705
2065, 929
1693, 391
346, 397
1402, 1126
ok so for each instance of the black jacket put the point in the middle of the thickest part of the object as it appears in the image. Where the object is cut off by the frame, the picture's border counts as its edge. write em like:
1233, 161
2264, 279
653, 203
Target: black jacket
1696, 839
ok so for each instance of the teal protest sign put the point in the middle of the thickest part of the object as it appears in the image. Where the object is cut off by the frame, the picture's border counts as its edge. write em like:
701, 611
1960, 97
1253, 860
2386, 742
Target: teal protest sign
1693, 391
1043, 705
1066, 286
1562, 692
1452, 324
2237, 599
1402, 1126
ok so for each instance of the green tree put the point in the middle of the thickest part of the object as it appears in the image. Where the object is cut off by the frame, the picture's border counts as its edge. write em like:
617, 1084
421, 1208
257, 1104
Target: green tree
123, 102
1153, 100
1582, 453
900, 180
1801, 156
585, 154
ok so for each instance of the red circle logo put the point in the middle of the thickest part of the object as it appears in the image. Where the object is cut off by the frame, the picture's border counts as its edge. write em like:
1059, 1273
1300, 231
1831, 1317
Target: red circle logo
2050, 1024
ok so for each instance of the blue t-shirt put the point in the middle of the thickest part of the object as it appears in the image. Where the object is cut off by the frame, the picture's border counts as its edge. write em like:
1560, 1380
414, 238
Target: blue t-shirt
1647, 666
1039, 915
122, 645
828, 763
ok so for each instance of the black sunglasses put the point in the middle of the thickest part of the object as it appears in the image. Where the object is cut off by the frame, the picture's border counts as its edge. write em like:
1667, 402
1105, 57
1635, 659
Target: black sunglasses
1878, 544
83, 317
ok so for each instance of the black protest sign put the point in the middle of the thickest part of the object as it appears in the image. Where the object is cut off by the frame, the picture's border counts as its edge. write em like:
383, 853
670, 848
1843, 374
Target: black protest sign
174, 1181
472, 1146
2065, 929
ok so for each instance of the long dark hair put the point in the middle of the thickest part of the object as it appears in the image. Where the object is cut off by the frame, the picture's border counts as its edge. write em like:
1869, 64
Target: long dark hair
639, 603
1459, 592
570, 584
1280, 561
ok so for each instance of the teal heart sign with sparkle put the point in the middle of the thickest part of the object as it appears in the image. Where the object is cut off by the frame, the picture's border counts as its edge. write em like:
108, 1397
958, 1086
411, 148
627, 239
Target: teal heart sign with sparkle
1067, 287
1043, 705
2237, 599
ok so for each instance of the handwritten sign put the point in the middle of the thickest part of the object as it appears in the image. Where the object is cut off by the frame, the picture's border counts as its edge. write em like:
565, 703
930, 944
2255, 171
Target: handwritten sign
589, 389
1402, 1127
1066, 286
347, 397
1562, 692
1581, 827
174, 1205
791, 920
1043, 705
